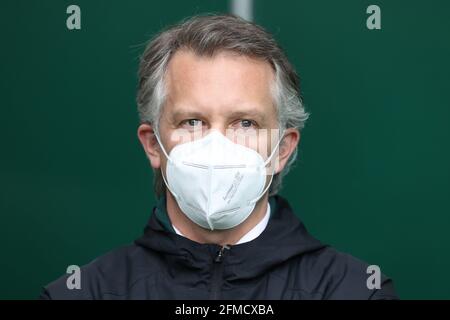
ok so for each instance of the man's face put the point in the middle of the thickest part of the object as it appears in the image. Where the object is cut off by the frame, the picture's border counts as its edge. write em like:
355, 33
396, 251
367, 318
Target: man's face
226, 92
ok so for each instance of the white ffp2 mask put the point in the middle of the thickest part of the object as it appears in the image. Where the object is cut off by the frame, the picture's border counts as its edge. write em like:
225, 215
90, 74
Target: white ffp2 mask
215, 181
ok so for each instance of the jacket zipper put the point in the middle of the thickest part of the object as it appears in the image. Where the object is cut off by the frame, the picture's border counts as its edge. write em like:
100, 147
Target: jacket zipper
217, 272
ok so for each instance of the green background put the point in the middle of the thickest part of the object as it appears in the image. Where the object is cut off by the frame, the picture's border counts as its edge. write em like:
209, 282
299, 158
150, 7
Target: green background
373, 172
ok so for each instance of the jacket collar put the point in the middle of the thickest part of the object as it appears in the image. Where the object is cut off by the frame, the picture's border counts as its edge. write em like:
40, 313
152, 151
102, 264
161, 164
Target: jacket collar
285, 237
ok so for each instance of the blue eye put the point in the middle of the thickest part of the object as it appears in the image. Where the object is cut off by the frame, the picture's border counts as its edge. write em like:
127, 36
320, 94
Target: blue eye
193, 122
246, 123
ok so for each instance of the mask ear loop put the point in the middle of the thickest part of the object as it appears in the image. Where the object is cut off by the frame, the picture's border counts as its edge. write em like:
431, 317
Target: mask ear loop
271, 176
168, 159
161, 145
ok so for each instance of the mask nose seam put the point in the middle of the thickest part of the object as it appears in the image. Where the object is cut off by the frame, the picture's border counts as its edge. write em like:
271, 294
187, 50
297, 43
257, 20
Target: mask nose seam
208, 206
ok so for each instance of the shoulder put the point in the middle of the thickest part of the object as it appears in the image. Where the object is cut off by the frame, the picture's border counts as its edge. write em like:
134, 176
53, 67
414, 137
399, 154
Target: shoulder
331, 274
108, 276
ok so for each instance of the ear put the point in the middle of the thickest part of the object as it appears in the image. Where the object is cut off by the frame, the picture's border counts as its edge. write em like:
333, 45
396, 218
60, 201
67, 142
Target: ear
150, 144
287, 147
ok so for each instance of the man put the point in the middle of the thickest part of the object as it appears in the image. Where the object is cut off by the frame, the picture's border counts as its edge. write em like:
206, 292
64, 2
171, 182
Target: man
220, 117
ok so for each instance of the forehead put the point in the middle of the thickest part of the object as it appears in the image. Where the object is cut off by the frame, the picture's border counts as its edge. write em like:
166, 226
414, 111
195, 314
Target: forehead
225, 81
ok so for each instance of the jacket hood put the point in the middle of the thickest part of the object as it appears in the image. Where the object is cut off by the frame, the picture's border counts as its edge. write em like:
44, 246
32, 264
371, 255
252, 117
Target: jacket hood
284, 237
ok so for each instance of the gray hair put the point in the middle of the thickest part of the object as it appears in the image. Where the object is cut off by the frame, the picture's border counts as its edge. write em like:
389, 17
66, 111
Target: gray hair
207, 35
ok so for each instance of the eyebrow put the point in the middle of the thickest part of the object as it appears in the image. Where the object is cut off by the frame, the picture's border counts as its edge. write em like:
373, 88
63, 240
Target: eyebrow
251, 114
186, 114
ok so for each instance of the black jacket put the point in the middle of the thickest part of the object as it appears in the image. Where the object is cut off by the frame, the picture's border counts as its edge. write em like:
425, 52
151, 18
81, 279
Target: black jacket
284, 262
